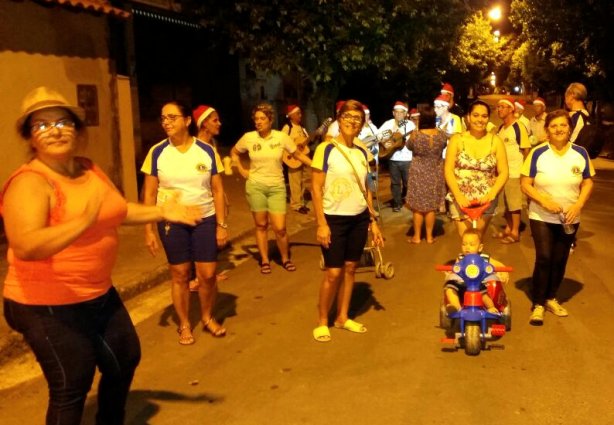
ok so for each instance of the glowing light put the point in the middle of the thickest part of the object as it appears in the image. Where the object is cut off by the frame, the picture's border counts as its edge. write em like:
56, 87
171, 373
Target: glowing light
495, 13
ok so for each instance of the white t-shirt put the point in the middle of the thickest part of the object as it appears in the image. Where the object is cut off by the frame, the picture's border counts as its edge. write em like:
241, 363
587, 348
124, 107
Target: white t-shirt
514, 138
403, 154
557, 176
265, 156
342, 195
188, 173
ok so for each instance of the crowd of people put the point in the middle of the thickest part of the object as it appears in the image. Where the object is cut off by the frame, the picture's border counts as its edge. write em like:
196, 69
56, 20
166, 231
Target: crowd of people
61, 215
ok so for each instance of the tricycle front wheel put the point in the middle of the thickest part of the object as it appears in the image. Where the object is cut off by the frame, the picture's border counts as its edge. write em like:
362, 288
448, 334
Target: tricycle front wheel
473, 342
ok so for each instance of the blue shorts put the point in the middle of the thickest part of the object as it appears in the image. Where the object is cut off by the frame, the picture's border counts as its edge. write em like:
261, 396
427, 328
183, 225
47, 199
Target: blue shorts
261, 197
348, 236
189, 244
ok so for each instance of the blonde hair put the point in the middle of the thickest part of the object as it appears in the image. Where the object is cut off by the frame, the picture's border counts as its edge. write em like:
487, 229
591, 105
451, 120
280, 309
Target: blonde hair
577, 91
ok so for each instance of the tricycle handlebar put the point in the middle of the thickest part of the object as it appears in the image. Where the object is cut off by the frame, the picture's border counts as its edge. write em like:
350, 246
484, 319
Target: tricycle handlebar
448, 268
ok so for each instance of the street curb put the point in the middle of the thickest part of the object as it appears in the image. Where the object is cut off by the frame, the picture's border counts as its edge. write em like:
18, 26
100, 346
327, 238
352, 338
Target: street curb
14, 345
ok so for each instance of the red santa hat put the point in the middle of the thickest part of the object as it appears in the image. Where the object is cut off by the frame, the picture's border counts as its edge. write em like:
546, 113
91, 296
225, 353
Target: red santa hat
442, 99
540, 101
447, 88
201, 113
400, 106
414, 113
366, 109
339, 105
508, 101
519, 104
291, 109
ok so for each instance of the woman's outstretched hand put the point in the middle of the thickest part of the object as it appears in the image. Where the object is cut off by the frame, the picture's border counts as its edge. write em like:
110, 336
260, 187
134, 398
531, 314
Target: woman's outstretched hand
175, 212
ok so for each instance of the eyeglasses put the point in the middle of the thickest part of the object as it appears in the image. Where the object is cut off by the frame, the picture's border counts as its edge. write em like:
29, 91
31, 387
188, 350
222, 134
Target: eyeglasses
169, 117
45, 126
356, 119
503, 107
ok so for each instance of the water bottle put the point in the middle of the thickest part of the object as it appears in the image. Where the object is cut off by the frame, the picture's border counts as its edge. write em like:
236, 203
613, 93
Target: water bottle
567, 227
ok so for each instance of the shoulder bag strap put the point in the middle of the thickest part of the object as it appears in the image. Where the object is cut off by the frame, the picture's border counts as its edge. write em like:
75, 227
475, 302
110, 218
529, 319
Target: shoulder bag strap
360, 184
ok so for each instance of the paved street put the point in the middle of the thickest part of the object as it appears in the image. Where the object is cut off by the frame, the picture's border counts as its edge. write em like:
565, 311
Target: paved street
268, 370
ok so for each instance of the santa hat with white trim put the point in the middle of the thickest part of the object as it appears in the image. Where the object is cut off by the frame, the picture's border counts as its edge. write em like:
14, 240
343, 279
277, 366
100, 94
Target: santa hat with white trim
400, 106
201, 113
291, 109
508, 101
447, 88
442, 100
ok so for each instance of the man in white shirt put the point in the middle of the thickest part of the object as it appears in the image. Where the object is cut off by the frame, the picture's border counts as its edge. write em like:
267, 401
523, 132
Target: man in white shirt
517, 145
519, 105
536, 124
400, 161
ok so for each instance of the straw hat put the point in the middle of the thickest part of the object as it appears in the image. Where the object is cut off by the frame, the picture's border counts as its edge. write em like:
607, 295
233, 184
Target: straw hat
44, 98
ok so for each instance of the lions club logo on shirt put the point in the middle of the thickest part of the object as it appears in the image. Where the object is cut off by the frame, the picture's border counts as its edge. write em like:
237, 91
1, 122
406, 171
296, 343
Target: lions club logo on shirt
201, 168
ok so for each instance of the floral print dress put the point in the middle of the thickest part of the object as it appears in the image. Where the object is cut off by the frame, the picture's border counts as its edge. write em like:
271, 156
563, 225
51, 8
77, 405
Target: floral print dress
475, 176
426, 188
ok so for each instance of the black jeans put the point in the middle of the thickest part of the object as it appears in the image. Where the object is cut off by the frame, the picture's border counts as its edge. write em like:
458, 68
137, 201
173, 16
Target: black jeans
399, 173
69, 341
552, 246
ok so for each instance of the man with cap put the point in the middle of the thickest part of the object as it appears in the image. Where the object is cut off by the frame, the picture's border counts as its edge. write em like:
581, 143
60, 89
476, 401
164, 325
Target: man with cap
414, 116
519, 105
400, 160
369, 130
446, 121
296, 174
517, 145
538, 132
447, 89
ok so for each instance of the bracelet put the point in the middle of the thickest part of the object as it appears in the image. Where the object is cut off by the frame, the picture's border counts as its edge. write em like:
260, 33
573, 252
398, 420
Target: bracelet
222, 225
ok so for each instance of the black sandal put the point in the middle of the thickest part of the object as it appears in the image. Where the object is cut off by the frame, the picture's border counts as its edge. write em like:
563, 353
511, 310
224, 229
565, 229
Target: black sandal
289, 266
265, 268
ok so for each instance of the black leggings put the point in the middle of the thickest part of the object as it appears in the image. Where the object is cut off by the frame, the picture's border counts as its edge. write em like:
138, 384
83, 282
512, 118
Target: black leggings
552, 246
69, 342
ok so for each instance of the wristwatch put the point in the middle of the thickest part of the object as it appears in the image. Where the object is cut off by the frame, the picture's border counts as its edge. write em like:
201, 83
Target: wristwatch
223, 225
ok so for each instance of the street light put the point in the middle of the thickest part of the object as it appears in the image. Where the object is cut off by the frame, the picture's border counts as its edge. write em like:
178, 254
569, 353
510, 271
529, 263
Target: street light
495, 13
496, 35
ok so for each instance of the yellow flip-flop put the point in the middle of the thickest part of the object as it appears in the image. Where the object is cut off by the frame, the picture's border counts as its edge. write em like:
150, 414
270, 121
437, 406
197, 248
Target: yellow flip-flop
321, 334
352, 326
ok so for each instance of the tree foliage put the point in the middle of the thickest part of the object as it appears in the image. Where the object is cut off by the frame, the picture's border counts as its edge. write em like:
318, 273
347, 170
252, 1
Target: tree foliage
477, 50
566, 39
326, 41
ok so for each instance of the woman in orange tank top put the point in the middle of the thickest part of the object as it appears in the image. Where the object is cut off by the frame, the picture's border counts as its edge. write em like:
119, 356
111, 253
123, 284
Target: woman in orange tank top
61, 215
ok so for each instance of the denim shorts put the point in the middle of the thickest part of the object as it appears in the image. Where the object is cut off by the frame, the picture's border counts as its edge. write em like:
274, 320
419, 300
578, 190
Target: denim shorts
456, 213
188, 244
262, 197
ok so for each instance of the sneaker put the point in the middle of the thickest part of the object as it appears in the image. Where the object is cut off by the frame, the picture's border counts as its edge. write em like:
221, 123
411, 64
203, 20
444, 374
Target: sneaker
537, 316
555, 308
